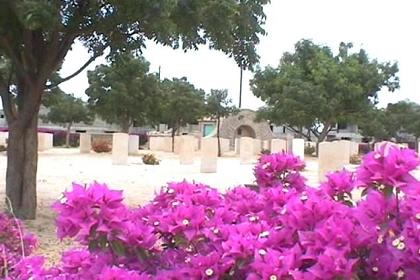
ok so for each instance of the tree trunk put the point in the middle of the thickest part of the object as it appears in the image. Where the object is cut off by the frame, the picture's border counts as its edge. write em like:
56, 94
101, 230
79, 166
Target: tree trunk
173, 138
22, 159
68, 135
22, 149
125, 126
322, 136
219, 150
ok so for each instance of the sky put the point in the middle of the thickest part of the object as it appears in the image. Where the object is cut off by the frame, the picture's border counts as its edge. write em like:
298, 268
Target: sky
387, 30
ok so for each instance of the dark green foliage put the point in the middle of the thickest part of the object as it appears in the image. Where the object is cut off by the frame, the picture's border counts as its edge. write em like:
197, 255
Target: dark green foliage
124, 92
36, 35
60, 137
65, 109
385, 124
309, 150
312, 89
183, 104
218, 104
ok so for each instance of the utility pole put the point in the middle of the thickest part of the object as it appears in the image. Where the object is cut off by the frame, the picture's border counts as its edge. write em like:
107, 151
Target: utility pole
159, 73
240, 88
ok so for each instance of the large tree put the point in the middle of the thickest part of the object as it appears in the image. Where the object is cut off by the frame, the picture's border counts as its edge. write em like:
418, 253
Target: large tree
392, 122
66, 110
313, 89
36, 35
374, 124
218, 105
124, 92
183, 104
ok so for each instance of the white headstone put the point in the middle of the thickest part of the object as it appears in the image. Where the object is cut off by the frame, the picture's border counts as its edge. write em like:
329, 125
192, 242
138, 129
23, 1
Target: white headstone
332, 156
224, 145
237, 145
266, 145
85, 143
289, 140
133, 144
246, 150
257, 146
209, 155
167, 144
186, 150
3, 137
278, 146
155, 143
120, 148
45, 141
163, 127
354, 148
298, 148
379, 144
177, 144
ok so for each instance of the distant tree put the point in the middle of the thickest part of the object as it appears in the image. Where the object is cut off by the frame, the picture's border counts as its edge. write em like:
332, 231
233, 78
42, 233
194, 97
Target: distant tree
218, 105
375, 124
183, 104
66, 110
312, 89
124, 92
413, 123
36, 35
390, 122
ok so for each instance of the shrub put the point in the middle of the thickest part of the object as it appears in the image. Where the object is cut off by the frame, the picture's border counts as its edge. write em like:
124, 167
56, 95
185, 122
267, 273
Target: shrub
59, 138
281, 230
355, 159
265, 152
309, 150
150, 159
143, 138
101, 146
364, 148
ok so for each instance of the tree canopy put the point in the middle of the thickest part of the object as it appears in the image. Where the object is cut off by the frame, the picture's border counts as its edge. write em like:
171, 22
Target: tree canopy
124, 92
218, 105
183, 103
66, 110
313, 89
392, 122
36, 35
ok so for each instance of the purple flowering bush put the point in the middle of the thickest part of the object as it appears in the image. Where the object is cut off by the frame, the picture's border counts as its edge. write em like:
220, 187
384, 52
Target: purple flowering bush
15, 243
283, 230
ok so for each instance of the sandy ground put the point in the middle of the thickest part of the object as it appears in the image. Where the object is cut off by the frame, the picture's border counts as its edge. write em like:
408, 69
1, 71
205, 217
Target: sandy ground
58, 168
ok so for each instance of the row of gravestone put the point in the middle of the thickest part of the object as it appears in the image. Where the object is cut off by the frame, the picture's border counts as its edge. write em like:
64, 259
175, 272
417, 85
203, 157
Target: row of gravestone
331, 155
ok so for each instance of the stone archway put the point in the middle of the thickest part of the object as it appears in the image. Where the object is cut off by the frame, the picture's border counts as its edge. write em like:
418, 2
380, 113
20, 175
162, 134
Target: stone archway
246, 121
245, 131
244, 124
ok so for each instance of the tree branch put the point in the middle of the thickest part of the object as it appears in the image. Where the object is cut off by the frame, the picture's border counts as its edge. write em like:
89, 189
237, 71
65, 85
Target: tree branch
84, 66
297, 131
14, 57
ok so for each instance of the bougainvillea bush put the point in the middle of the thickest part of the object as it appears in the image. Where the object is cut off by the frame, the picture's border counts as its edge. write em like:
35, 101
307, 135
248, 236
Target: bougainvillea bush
282, 230
15, 243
